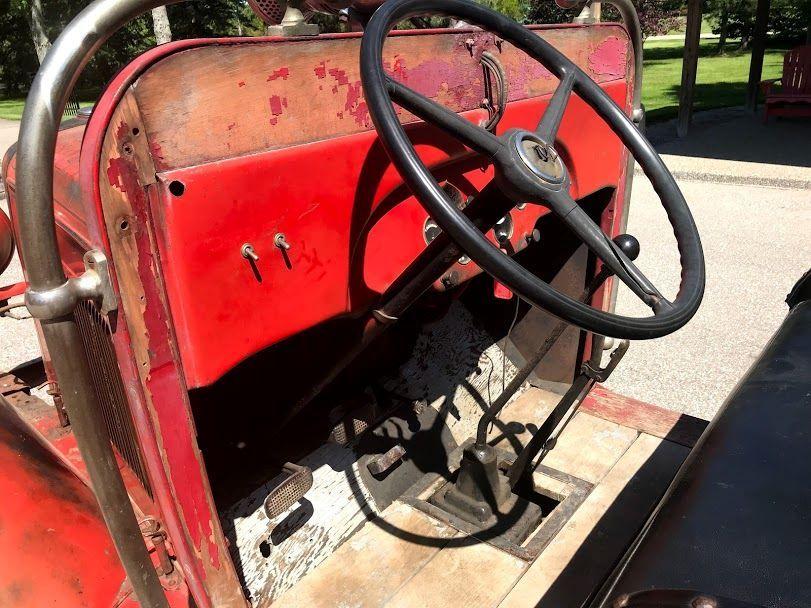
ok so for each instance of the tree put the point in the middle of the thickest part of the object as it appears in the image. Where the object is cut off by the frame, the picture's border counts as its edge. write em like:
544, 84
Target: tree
655, 16
160, 25
37, 24
788, 20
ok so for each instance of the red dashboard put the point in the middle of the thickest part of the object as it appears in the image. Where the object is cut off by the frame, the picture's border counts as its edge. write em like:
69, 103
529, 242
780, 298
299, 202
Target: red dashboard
222, 144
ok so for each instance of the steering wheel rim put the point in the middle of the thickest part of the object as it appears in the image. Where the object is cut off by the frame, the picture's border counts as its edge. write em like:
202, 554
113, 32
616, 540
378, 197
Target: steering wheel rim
379, 89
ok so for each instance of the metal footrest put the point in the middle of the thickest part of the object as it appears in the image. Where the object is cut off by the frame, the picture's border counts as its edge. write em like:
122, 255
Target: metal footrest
298, 482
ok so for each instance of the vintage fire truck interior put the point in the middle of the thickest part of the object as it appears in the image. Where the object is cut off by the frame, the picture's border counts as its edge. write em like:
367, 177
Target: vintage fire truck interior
323, 316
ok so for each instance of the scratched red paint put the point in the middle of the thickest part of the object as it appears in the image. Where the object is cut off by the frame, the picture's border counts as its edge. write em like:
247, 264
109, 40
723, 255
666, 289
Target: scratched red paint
276, 107
524, 74
282, 73
439, 78
609, 57
241, 83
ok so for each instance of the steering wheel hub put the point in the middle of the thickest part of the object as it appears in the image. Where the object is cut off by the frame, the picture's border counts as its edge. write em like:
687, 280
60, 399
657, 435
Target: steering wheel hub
540, 157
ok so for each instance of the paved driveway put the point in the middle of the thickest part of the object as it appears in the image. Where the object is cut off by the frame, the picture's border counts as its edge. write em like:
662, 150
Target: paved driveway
749, 188
18, 340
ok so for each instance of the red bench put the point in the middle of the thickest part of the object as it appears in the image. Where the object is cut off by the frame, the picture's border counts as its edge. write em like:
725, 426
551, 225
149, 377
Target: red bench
793, 96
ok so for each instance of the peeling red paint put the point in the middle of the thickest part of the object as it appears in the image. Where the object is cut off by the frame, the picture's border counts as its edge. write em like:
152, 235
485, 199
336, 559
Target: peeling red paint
321, 70
609, 58
396, 68
277, 105
231, 126
477, 43
241, 83
444, 81
157, 155
354, 103
282, 73
523, 76
339, 76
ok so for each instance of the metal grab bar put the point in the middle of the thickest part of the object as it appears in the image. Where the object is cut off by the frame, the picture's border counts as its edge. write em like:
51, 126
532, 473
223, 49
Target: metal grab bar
54, 297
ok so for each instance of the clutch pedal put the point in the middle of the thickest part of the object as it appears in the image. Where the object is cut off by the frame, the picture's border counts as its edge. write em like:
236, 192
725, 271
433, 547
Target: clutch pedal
298, 482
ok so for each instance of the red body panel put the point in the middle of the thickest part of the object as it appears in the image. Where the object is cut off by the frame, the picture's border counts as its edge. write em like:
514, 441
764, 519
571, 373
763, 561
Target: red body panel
54, 547
345, 249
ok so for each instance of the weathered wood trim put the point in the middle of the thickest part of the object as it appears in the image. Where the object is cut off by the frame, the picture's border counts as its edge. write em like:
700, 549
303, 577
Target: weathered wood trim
125, 175
651, 419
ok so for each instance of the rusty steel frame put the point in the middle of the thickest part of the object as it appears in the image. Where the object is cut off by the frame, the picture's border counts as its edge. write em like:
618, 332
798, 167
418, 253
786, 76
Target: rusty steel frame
54, 296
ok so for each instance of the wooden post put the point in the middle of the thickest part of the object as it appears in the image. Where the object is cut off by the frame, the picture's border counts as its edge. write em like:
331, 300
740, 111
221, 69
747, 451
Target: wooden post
758, 50
689, 68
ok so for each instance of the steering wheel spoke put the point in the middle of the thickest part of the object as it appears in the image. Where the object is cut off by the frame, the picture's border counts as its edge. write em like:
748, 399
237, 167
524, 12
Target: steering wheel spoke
528, 168
476, 138
579, 222
549, 124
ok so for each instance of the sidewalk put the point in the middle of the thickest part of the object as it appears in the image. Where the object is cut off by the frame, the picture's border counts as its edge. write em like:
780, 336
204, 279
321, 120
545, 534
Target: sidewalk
729, 145
749, 188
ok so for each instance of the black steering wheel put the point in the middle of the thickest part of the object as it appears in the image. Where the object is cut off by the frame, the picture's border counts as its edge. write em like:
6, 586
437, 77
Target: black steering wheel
528, 169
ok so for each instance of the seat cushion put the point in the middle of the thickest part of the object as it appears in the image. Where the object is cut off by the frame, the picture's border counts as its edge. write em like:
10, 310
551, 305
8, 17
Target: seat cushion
736, 523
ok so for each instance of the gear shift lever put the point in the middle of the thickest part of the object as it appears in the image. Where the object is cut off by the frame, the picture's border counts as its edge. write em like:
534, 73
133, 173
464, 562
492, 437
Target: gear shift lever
481, 489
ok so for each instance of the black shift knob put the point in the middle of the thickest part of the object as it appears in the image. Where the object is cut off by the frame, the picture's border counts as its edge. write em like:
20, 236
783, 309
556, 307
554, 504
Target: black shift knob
628, 244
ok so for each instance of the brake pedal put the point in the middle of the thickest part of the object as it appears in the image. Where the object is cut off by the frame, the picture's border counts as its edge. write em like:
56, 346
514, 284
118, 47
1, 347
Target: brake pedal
290, 490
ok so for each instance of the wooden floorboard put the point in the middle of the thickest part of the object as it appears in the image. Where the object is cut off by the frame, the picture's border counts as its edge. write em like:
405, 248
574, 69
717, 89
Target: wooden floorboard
461, 576
411, 559
587, 449
369, 568
598, 533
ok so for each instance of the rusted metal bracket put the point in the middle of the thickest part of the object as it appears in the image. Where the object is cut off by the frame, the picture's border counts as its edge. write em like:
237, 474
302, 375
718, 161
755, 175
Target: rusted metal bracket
9, 383
151, 529
601, 374
93, 284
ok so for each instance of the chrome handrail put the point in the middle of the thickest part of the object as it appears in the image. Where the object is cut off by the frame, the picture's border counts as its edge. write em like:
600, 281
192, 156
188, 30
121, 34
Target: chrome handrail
53, 297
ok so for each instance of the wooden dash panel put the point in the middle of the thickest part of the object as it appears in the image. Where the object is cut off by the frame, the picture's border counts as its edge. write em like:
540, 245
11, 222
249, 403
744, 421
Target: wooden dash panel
223, 100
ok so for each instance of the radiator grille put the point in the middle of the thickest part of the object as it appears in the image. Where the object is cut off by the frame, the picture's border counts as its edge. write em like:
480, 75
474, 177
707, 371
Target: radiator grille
96, 336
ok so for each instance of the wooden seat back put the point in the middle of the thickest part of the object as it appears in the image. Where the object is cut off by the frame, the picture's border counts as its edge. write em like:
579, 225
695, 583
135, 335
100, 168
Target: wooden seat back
797, 72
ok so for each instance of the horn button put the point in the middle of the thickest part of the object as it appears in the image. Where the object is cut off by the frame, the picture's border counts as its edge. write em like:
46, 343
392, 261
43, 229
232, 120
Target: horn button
542, 159
529, 165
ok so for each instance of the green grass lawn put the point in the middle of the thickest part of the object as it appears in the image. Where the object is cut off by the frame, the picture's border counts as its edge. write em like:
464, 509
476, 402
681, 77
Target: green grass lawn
721, 79
12, 109
706, 26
